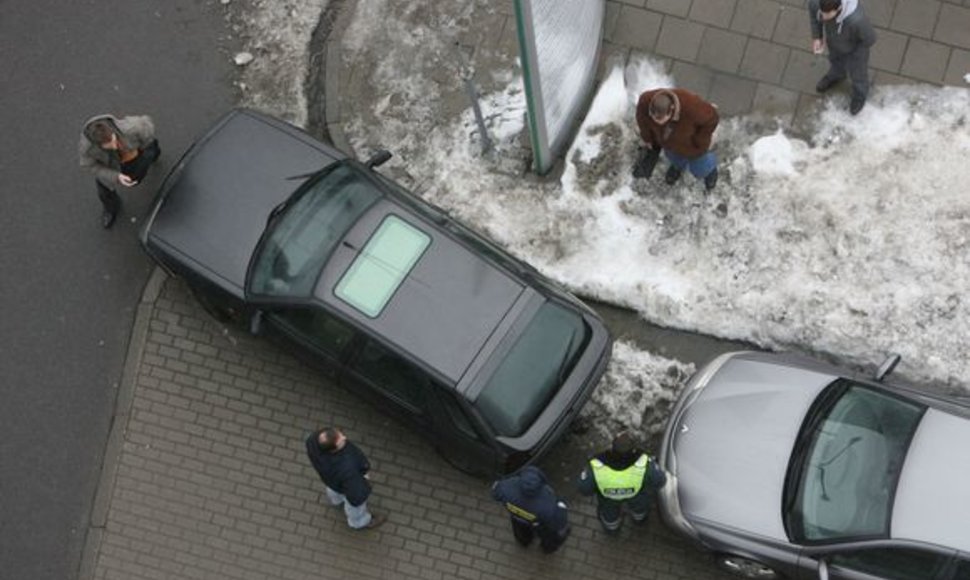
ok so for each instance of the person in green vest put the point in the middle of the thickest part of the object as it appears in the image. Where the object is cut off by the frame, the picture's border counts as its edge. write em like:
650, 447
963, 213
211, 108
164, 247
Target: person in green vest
621, 475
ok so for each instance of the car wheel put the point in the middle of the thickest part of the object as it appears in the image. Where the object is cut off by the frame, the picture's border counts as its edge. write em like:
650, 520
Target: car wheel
745, 568
220, 312
462, 464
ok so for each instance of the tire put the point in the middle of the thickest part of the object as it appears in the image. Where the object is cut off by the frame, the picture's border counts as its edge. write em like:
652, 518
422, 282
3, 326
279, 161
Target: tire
219, 311
745, 567
461, 464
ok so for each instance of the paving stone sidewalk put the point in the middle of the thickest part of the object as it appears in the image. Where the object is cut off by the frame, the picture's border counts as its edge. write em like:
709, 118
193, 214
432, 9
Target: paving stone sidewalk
212, 482
753, 55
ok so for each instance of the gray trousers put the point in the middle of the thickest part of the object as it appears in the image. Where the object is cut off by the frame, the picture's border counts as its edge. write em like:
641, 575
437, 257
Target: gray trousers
855, 64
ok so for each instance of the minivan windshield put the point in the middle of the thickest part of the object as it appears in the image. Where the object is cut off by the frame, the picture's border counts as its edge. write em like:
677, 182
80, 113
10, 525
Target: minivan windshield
299, 241
533, 370
847, 462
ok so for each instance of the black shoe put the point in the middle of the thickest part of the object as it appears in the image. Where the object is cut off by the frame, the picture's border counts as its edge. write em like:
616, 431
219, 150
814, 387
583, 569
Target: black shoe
107, 219
711, 180
856, 105
673, 174
826, 83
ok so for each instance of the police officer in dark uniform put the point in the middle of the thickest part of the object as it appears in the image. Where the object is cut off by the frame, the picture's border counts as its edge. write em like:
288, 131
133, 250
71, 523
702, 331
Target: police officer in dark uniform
622, 475
534, 508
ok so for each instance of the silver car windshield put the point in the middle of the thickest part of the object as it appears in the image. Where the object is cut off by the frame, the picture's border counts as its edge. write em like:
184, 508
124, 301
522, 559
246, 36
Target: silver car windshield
532, 372
300, 240
847, 463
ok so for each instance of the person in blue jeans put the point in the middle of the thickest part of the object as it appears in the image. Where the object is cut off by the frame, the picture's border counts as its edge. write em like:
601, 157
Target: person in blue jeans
344, 470
681, 124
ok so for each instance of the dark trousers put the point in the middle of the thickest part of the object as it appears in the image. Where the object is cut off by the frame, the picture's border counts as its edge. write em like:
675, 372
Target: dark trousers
109, 198
549, 539
610, 512
854, 64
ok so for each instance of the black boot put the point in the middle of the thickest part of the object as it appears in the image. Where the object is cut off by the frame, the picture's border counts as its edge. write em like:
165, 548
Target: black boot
673, 174
647, 160
826, 83
856, 105
107, 219
711, 180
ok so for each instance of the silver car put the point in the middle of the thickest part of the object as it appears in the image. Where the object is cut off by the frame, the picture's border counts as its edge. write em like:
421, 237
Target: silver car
784, 467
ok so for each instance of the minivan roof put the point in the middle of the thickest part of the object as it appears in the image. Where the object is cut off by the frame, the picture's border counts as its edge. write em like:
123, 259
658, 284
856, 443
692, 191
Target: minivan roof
443, 310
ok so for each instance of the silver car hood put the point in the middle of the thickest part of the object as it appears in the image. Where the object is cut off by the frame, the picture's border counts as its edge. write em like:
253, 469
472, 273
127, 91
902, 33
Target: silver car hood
734, 441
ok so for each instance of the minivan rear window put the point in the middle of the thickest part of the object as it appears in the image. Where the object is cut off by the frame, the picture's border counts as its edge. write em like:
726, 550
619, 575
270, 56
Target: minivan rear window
533, 370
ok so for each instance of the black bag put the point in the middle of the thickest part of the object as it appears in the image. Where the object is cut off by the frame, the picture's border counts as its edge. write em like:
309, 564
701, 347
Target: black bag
137, 168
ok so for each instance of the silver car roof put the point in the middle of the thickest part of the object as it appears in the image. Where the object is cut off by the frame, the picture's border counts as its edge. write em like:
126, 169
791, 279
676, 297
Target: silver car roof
933, 493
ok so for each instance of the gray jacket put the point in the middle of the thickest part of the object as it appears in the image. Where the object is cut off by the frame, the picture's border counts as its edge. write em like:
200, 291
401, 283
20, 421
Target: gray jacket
135, 131
845, 33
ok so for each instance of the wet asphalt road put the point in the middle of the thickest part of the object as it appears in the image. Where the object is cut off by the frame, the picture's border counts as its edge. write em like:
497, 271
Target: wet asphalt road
67, 288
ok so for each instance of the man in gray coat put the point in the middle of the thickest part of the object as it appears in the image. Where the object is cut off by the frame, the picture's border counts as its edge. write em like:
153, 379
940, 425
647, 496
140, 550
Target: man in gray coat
848, 35
117, 151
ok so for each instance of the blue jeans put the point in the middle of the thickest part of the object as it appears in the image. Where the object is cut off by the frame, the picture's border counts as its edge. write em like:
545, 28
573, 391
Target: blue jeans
357, 516
700, 167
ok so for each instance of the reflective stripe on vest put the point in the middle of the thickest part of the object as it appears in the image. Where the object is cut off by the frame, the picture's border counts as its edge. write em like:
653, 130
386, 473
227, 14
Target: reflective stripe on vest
620, 485
519, 512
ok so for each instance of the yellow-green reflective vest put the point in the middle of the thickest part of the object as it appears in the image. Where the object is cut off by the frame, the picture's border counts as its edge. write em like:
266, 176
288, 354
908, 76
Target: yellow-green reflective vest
620, 485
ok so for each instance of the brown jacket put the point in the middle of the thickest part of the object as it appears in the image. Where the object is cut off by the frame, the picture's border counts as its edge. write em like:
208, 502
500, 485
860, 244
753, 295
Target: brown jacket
688, 133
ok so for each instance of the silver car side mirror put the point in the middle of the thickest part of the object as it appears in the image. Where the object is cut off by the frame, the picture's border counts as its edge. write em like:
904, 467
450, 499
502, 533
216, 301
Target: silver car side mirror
887, 366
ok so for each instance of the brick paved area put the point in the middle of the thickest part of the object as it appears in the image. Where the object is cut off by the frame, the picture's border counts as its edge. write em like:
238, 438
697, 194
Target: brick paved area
212, 481
753, 55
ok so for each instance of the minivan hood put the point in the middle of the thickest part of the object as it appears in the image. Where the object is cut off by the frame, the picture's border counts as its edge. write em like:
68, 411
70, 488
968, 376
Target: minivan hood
735, 439
216, 203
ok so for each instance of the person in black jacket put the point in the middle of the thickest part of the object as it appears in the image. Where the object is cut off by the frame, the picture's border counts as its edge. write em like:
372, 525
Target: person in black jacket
534, 508
621, 475
344, 470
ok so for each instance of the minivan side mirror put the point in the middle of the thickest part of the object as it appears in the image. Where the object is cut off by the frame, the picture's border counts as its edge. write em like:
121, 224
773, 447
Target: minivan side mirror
256, 323
887, 366
379, 158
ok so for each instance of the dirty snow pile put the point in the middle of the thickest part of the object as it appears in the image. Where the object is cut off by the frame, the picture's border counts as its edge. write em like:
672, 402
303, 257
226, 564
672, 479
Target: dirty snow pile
851, 240
275, 61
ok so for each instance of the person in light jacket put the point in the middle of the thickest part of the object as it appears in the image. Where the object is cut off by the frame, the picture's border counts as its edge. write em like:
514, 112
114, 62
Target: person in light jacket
118, 151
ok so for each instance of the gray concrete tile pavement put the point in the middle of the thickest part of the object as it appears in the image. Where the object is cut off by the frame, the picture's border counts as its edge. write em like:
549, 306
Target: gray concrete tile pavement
212, 481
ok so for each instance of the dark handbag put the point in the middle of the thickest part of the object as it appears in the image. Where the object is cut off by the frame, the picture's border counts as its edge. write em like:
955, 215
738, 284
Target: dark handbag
137, 168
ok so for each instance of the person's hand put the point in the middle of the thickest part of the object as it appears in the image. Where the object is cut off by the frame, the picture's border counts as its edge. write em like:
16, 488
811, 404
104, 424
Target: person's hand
817, 46
125, 180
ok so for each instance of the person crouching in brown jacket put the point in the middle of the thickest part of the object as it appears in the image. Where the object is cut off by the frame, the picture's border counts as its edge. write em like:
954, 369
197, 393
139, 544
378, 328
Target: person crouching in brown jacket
681, 124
